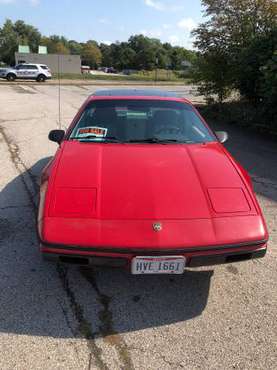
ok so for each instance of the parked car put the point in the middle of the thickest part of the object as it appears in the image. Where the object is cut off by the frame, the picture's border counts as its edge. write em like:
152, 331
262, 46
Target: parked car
85, 69
38, 72
111, 70
140, 181
103, 69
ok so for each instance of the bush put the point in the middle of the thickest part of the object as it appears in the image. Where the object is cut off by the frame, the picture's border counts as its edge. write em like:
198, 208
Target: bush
238, 52
241, 113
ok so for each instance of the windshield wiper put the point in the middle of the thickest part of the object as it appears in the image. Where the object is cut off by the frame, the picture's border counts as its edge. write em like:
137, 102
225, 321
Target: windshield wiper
113, 139
155, 140
105, 139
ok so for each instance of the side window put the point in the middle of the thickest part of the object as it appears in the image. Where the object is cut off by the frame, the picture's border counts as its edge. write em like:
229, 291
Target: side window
32, 67
20, 67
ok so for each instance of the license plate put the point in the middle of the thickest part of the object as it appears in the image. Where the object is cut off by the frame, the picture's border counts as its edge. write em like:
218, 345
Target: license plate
158, 265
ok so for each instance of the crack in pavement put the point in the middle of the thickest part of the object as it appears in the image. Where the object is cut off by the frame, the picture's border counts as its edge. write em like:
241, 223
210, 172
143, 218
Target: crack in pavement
107, 331
15, 207
73, 332
105, 315
84, 326
24, 119
21, 168
176, 364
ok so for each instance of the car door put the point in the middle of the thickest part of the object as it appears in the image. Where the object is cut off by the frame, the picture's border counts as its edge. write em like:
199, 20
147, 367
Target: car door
32, 71
20, 70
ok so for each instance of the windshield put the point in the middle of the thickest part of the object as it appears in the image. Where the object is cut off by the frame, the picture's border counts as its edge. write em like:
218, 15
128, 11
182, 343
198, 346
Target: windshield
149, 121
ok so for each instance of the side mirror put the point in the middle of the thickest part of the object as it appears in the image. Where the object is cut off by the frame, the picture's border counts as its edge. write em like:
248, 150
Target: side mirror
56, 136
222, 136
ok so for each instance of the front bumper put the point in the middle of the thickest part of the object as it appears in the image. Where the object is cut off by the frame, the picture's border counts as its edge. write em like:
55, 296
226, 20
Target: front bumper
122, 257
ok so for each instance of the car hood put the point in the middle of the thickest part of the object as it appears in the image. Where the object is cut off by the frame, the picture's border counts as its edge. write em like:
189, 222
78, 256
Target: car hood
147, 181
5, 69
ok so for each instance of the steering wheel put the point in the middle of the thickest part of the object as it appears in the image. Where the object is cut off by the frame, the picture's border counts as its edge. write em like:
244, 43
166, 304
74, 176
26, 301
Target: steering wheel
168, 130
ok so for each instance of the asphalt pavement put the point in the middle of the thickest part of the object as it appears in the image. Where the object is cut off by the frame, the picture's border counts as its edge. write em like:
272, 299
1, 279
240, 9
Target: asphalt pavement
66, 317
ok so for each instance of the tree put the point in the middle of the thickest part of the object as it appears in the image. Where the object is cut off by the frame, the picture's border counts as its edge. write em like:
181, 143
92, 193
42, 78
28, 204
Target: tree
212, 73
146, 51
91, 54
254, 62
233, 23
223, 42
14, 34
56, 44
8, 42
268, 85
107, 59
27, 35
178, 55
122, 55
60, 48
269, 82
140, 52
74, 47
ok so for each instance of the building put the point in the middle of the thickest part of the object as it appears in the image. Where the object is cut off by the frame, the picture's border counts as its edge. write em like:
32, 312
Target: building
56, 62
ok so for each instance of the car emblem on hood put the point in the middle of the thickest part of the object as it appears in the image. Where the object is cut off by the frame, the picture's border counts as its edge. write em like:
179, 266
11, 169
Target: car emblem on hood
157, 226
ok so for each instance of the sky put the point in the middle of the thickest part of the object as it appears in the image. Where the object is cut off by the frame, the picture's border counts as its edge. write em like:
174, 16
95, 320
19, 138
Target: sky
108, 20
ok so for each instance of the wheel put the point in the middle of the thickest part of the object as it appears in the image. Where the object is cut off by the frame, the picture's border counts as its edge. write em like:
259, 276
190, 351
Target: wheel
11, 77
41, 78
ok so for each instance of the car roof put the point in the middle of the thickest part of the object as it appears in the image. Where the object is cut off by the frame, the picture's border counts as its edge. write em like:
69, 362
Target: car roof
33, 64
136, 92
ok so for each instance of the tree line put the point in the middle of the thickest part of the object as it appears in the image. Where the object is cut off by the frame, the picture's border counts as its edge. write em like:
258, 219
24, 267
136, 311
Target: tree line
236, 50
139, 52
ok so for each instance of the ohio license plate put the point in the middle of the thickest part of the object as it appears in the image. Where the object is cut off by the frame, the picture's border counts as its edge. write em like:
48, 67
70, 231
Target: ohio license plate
158, 265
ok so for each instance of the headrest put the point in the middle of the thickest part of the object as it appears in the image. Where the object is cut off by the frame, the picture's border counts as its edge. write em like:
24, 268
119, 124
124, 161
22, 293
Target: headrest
104, 115
165, 116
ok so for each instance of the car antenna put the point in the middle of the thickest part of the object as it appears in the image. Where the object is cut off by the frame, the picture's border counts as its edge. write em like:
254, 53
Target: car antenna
59, 90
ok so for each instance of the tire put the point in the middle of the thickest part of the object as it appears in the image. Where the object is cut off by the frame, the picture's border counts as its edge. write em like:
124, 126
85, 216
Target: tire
41, 78
11, 77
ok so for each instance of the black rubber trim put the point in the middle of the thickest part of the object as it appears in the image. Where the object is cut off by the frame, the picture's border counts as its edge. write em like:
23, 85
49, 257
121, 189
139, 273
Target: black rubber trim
117, 262
85, 259
141, 251
217, 259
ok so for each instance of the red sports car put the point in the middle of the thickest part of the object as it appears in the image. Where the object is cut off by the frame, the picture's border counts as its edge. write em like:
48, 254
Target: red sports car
140, 181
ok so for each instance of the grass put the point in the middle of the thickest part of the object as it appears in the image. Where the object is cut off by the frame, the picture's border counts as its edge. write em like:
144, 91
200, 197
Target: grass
151, 76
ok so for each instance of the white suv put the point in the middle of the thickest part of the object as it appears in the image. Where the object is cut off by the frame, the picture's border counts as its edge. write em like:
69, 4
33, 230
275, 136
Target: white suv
38, 72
